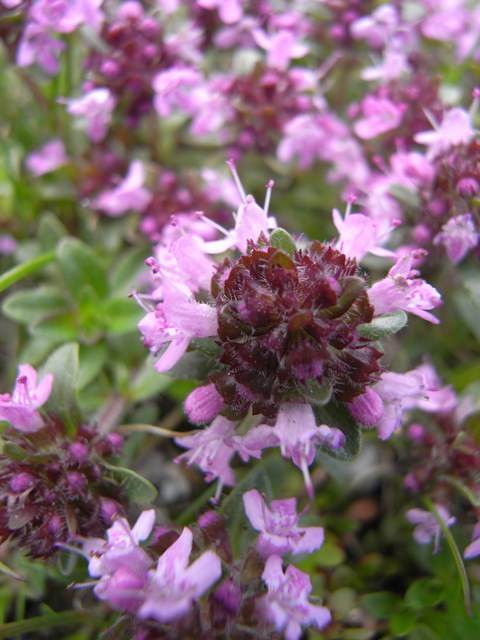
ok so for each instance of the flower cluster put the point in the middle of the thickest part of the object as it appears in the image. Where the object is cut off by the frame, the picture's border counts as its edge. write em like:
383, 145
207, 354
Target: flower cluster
52, 485
284, 330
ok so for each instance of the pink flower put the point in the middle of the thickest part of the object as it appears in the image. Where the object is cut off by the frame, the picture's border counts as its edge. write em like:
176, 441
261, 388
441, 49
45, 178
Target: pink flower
129, 195
473, 549
37, 45
64, 16
281, 47
458, 236
358, 235
203, 404
401, 289
286, 604
380, 115
297, 435
20, 408
96, 108
427, 526
175, 321
280, 533
174, 585
121, 548
250, 222
456, 129
175, 89
229, 11
211, 449
46, 159
419, 388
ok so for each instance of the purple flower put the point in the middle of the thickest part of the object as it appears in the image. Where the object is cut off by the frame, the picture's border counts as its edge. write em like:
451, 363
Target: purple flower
203, 404
458, 236
47, 159
286, 604
96, 108
279, 528
401, 289
129, 195
174, 585
229, 11
20, 408
427, 526
281, 47
175, 89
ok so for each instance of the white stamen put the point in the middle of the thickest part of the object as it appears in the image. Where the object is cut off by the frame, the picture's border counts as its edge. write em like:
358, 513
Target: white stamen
268, 196
241, 190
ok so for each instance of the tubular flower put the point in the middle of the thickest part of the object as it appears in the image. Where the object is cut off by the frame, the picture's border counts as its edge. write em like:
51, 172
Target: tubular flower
288, 322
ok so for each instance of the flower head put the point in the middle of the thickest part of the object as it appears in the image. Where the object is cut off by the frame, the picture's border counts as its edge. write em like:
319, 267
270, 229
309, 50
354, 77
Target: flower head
287, 321
427, 527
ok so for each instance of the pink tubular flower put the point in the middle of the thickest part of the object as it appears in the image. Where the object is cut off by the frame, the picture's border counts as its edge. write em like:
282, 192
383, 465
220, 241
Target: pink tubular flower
37, 45
297, 435
427, 526
358, 235
96, 108
458, 236
64, 16
281, 47
456, 129
174, 89
20, 408
121, 548
380, 115
279, 528
47, 159
419, 388
174, 585
401, 289
175, 321
286, 604
211, 449
129, 195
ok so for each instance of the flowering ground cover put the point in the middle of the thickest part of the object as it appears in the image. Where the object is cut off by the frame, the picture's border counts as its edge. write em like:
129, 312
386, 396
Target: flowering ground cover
239, 338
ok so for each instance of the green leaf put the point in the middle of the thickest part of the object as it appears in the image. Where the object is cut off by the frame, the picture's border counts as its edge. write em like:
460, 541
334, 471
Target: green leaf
64, 365
425, 592
26, 269
40, 623
193, 365
50, 231
81, 267
61, 328
337, 415
31, 306
282, 240
121, 315
315, 393
148, 383
10, 572
127, 270
92, 360
383, 326
139, 489
380, 604
402, 621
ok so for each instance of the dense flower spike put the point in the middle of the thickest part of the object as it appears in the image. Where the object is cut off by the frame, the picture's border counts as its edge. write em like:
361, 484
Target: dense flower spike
287, 322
